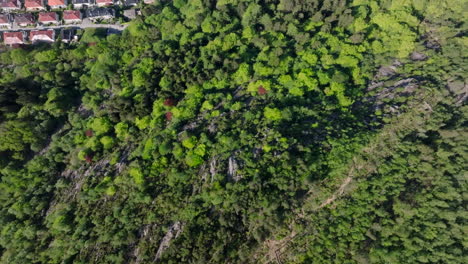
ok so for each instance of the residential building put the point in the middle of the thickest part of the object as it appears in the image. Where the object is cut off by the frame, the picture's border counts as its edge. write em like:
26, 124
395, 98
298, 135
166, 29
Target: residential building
48, 18
8, 5
13, 38
24, 19
81, 3
104, 2
45, 36
5, 20
34, 4
130, 13
68, 35
72, 16
130, 2
54, 4
100, 13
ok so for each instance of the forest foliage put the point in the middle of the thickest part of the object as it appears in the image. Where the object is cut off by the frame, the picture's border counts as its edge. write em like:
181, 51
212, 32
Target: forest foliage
210, 127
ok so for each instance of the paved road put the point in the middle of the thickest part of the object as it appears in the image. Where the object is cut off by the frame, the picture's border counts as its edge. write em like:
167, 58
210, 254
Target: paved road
85, 24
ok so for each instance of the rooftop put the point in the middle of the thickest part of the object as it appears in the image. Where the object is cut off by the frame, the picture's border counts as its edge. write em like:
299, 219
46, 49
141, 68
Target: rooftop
4, 19
48, 17
100, 12
33, 3
9, 4
25, 18
81, 1
56, 2
11, 38
71, 14
42, 35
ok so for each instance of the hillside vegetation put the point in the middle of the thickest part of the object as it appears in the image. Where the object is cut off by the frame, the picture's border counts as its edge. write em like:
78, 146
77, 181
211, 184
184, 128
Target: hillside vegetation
238, 131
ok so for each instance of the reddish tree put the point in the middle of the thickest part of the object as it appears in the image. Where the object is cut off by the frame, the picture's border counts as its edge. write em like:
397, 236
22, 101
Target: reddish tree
91, 44
169, 102
262, 90
168, 116
89, 158
89, 133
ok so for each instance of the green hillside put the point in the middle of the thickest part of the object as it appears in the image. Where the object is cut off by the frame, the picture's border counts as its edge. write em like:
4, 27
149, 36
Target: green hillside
237, 131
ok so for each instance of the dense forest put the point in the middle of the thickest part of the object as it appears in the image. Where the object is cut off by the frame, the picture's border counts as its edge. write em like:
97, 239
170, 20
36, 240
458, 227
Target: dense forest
241, 131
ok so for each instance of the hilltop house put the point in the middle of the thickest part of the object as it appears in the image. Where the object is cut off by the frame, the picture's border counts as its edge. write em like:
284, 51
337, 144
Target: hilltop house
24, 19
8, 5
5, 20
81, 3
54, 4
72, 16
100, 13
48, 18
13, 38
34, 4
47, 36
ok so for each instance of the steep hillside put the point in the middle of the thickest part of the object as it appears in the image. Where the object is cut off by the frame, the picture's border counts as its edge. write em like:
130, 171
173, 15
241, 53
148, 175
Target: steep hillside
241, 131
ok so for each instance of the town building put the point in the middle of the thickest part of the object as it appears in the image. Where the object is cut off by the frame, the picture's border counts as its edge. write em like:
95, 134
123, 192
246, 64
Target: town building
100, 13
42, 36
8, 5
34, 4
13, 38
72, 16
78, 4
104, 2
5, 21
54, 4
46, 18
24, 19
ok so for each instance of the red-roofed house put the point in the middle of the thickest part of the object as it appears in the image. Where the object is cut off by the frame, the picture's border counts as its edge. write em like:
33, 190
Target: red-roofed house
5, 21
104, 2
10, 4
24, 19
57, 3
47, 36
13, 38
72, 16
34, 4
48, 18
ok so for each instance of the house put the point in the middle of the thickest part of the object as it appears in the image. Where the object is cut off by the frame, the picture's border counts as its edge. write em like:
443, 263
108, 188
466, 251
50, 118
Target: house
34, 4
72, 16
5, 20
104, 2
130, 14
100, 13
48, 18
68, 35
8, 5
54, 4
24, 19
130, 2
78, 4
13, 38
45, 36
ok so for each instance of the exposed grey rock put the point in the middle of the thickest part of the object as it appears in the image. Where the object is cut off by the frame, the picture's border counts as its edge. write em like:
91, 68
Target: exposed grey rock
173, 232
233, 166
417, 56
